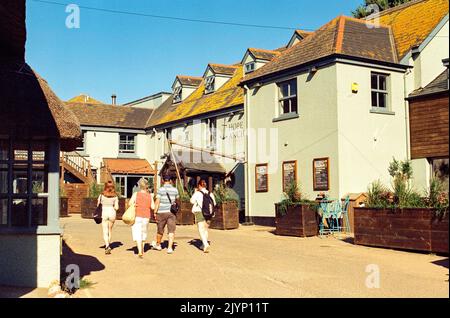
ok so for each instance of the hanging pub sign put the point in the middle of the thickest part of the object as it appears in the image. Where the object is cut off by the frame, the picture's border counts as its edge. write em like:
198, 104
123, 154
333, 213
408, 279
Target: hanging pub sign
289, 173
321, 173
262, 178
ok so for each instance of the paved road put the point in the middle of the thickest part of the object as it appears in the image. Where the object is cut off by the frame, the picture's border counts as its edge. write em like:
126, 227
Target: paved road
249, 262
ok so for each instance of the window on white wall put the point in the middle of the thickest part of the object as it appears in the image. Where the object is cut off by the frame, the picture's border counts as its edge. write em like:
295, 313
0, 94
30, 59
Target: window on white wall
212, 133
250, 67
210, 84
127, 144
288, 101
380, 92
82, 148
177, 94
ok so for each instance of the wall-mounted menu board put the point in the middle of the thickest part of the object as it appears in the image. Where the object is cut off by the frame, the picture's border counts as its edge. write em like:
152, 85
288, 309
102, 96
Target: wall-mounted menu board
289, 173
262, 178
321, 174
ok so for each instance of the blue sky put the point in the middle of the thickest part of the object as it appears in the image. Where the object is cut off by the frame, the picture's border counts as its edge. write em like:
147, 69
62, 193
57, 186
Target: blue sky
136, 56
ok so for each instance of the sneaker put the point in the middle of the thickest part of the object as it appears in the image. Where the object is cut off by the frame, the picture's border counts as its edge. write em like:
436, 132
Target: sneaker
141, 256
108, 250
156, 247
207, 249
169, 251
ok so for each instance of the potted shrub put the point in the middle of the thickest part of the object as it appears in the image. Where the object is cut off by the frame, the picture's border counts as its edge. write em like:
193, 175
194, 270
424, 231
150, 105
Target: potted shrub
63, 203
403, 218
227, 212
295, 216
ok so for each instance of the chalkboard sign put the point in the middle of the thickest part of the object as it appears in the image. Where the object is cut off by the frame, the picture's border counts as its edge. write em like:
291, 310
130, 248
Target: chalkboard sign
321, 173
289, 173
262, 178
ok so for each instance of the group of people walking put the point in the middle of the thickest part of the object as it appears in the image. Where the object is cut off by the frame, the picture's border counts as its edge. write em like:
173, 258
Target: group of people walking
161, 206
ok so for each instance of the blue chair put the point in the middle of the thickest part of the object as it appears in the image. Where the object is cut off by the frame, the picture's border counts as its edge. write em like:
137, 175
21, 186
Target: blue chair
326, 216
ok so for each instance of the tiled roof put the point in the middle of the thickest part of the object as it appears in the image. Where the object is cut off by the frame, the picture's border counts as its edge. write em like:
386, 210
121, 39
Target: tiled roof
343, 35
190, 80
412, 22
262, 54
229, 95
223, 69
84, 99
129, 166
438, 85
101, 115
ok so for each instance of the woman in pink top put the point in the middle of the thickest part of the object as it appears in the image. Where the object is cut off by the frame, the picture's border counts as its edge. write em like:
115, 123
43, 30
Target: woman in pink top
144, 203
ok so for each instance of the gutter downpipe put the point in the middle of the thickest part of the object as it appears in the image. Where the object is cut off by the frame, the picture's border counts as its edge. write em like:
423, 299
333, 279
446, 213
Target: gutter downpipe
408, 133
248, 218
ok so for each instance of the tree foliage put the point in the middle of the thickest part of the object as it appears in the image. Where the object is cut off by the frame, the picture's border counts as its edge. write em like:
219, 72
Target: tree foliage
365, 10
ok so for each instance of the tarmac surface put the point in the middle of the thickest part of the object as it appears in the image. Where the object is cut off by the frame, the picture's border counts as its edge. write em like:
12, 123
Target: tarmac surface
250, 262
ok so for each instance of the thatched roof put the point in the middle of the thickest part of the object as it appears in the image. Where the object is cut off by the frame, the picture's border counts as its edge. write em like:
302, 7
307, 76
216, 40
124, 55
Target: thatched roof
28, 107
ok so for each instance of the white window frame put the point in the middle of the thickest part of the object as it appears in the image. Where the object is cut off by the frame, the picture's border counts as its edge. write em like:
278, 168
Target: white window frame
379, 91
82, 148
289, 97
250, 67
210, 84
177, 94
127, 143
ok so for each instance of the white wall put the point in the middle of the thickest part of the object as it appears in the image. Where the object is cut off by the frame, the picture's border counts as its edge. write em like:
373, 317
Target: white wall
368, 141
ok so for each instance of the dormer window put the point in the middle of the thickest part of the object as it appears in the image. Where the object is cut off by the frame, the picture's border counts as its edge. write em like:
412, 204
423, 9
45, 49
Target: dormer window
210, 84
250, 67
177, 94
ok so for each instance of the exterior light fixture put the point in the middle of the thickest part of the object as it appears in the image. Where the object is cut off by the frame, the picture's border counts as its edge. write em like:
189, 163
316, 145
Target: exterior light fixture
355, 88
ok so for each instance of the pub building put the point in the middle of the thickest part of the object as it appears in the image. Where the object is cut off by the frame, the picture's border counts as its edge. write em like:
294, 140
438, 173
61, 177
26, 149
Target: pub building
34, 127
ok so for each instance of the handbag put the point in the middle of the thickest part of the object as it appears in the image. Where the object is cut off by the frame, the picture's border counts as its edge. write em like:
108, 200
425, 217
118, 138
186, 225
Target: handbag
98, 212
173, 206
129, 217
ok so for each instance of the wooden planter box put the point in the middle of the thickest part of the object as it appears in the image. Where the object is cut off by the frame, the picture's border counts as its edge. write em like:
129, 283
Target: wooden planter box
410, 229
88, 206
299, 221
63, 207
227, 217
185, 215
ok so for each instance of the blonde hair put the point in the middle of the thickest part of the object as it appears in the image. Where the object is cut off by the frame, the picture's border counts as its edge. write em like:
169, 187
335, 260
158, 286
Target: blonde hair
143, 184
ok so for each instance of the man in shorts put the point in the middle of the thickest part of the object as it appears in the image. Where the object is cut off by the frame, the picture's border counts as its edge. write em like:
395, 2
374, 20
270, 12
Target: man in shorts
167, 194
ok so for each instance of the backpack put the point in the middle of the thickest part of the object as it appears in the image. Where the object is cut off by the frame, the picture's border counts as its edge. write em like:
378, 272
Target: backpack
207, 206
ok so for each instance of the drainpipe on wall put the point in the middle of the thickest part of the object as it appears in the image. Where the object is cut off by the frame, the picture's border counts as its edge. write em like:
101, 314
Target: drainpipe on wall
405, 93
248, 218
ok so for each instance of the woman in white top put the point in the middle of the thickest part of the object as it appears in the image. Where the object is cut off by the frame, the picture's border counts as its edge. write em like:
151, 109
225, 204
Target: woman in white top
202, 222
110, 204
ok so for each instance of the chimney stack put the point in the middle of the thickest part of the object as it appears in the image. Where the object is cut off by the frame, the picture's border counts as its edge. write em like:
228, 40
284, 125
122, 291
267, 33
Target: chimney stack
114, 99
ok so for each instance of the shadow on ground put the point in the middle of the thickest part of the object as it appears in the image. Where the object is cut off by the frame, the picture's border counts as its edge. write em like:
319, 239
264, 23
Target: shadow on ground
14, 292
86, 263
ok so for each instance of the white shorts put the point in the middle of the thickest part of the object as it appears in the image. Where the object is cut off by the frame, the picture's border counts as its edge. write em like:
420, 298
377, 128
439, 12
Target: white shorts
139, 229
108, 214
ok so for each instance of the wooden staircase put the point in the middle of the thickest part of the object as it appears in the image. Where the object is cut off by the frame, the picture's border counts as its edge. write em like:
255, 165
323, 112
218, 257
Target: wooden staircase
78, 166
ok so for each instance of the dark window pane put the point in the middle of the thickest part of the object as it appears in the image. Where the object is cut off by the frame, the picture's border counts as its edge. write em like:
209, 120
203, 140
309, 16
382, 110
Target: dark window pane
20, 150
4, 149
374, 99
285, 106
3, 181
382, 100
3, 211
20, 182
293, 88
284, 90
39, 212
374, 81
382, 82
294, 107
39, 182
19, 213
39, 150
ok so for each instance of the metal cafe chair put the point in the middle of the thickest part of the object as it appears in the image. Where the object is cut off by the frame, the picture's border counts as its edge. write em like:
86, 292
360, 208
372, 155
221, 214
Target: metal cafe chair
326, 221
344, 212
